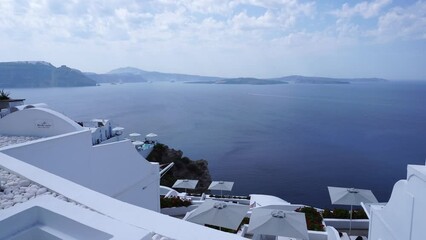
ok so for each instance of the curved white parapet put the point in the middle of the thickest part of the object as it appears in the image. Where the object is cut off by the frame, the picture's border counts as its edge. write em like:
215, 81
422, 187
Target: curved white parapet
164, 190
403, 217
27, 106
40, 122
115, 169
36, 105
257, 200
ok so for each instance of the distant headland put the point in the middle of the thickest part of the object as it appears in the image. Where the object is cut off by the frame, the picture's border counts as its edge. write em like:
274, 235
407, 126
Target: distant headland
33, 74
37, 74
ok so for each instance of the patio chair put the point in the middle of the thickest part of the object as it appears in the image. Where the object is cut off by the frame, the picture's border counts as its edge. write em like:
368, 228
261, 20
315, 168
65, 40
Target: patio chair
242, 232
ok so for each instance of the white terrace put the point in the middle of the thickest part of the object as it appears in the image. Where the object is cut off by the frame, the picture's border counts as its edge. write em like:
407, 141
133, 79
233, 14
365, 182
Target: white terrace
82, 213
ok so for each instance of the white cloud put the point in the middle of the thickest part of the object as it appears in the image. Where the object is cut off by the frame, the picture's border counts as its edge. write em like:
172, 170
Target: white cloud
129, 20
405, 23
392, 24
364, 9
209, 34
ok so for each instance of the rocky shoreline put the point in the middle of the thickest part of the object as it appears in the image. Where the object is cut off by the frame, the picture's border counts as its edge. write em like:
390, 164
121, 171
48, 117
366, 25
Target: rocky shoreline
184, 168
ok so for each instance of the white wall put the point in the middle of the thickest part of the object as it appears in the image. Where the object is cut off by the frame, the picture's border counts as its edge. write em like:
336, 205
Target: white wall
170, 227
115, 169
344, 223
404, 216
38, 122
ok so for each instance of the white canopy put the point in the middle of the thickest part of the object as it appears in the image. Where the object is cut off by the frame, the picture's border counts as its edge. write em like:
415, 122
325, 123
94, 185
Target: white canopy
185, 183
151, 135
350, 196
134, 134
221, 185
278, 223
118, 129
137, 143
217, 213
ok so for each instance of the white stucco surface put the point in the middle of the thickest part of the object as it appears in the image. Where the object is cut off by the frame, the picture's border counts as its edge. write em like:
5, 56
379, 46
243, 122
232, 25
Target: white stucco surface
39, 122
126, 213
115, 169
404, 216
12, 140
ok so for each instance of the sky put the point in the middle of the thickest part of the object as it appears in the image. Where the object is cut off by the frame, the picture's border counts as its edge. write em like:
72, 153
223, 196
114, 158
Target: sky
234, 38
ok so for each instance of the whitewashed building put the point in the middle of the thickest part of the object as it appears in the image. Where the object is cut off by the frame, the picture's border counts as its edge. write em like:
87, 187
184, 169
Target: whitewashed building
56, 184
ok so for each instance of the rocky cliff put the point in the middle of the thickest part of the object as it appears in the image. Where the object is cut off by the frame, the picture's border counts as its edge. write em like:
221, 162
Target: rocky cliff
40, 74
184, 167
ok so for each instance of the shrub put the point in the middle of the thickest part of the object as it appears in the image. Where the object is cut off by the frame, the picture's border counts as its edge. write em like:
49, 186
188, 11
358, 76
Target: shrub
4, 95
359, 214
327, 213
344, 214
313, 218
174, 202
185, 160
341, 213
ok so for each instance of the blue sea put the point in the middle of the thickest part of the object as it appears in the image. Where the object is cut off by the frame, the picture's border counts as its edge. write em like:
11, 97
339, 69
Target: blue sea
289, 140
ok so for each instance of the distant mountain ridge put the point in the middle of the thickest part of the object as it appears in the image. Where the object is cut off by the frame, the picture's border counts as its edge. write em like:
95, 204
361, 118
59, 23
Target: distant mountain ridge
135, 73
324, 80
127, 72
242, 80
33, 74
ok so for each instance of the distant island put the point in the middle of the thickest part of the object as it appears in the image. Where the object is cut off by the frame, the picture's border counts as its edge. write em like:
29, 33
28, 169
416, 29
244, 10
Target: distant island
251, 81
38, 74
324, 80
130, 74
133, 73
33, 74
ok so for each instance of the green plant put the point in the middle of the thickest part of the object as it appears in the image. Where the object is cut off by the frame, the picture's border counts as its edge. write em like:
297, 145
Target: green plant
359, 214
344, 214
341, 213
313, 218
4, 95
168, 202
327, 213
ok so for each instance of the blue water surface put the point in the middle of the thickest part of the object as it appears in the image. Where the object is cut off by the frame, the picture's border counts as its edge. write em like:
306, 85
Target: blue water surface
289, 140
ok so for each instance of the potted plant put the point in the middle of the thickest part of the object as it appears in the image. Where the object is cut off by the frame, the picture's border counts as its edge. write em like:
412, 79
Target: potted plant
4, 95
313, 218
175, 206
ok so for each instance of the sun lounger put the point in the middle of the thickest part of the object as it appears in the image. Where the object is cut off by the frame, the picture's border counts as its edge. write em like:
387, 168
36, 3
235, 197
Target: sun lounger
345, 236
264, 237
243, 230
354, 237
